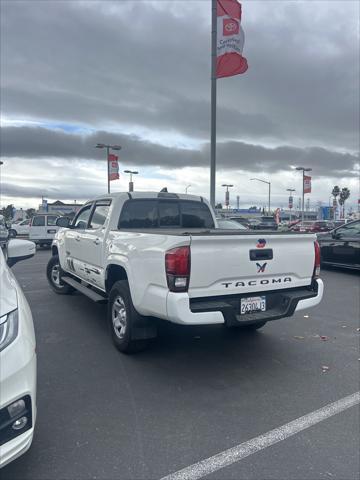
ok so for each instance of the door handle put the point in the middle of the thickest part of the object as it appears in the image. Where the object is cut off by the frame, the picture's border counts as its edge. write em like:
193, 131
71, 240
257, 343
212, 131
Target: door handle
77, 238
97, 241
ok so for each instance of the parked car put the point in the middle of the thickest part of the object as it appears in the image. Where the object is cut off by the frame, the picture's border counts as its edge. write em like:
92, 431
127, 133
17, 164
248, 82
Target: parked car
265, 223
320, 226
20, 228
17, 358
43, 228
300, 226
229, 224
159, 255
341, 247
4, 232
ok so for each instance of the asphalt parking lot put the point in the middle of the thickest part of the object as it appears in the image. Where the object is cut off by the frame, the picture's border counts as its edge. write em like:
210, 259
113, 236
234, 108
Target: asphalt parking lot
194, 393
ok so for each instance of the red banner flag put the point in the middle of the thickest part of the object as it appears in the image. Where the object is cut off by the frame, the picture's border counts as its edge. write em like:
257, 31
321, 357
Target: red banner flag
113, 167
307, 184
230, 39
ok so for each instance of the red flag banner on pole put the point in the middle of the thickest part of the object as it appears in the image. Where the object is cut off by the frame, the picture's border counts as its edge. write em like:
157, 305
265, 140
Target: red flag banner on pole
230, 39
307, 184
113, 167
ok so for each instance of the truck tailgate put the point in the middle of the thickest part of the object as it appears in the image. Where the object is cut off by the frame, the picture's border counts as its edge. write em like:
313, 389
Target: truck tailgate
236, 264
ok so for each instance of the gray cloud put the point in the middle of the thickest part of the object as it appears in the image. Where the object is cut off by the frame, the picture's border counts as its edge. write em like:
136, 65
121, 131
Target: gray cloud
136, 64
35, 142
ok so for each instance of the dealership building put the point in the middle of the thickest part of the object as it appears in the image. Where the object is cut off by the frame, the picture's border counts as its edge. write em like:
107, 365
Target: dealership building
59, 208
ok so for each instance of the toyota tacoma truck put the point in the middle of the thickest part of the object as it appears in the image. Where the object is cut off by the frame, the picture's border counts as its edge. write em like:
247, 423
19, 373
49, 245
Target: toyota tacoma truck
161, 255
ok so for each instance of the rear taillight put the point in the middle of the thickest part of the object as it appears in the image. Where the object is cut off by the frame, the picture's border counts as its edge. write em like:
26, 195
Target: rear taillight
177, 267
317, 260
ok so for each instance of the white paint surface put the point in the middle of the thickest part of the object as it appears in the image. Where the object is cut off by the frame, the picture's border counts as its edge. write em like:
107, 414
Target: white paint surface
234, 454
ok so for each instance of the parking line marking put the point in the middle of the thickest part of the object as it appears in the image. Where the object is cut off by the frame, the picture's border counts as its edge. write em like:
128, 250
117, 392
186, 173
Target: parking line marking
234, 454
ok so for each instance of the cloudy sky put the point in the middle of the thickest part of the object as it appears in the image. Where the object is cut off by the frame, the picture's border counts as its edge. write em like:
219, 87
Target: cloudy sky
137, 73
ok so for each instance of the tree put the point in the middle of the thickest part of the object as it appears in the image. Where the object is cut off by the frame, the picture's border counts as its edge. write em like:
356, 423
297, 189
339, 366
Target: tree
218, 206
344, 195
30, 212
8, 212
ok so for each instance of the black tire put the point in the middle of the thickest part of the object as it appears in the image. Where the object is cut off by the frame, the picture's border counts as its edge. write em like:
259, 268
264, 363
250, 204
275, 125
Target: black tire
123, 319
57, 285
12, 233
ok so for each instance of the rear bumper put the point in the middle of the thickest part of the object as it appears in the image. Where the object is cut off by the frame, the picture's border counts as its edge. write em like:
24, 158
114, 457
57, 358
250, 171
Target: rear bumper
225, 309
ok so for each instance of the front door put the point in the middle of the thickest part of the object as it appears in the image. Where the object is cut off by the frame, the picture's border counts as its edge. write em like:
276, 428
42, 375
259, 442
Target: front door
74, 243
93, 242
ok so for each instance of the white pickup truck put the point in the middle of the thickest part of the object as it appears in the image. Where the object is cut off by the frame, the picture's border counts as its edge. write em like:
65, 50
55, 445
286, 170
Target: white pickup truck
161, 255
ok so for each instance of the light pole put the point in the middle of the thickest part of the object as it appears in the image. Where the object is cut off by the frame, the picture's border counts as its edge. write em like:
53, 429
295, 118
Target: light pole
108, 147
186, 189
290, 190
131, 183
269, 184
303, 170
227, 194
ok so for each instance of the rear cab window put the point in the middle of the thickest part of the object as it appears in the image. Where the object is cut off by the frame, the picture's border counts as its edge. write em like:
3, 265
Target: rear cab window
161, 213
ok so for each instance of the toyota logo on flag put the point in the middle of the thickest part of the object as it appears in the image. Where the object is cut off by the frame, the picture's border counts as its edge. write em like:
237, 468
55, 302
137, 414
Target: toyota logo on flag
230, 27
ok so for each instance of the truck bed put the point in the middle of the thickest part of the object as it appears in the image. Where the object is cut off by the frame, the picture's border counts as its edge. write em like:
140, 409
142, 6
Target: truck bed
212, 232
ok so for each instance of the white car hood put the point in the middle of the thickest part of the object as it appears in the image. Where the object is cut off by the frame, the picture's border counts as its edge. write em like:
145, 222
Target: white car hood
8, 296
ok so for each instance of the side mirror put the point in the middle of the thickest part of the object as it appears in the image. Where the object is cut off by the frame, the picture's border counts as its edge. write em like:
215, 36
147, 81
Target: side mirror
18, 250
8, 225
63, 222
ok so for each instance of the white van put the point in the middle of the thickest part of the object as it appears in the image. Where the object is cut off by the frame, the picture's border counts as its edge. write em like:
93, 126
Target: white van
43, 228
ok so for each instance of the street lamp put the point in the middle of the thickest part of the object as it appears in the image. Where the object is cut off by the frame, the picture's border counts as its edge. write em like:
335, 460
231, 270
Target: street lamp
269, 184
227, 194
131, 183
290, 190
186, 189
303, 170
108, 147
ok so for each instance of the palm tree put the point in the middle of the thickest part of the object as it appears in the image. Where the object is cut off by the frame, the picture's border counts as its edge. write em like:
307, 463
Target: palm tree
335, 193
344, 195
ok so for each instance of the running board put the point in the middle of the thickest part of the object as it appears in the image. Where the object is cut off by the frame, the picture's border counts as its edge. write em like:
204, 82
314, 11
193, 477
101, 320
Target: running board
96, 297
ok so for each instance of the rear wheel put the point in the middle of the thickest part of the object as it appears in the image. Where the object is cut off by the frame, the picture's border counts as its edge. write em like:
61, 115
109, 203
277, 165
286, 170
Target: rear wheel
54, 273
124, 319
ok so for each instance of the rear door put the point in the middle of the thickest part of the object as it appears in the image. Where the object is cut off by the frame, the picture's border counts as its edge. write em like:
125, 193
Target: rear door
51, 227
234, 264
38, 228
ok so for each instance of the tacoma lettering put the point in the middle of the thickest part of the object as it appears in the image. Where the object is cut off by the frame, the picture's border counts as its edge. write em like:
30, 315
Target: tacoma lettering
252, 283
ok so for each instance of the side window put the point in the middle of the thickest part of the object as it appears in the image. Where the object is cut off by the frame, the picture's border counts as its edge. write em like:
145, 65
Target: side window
99, 214
196, 215
38, 221
169, 214
25, 222
51, 220
139, 214
82, 218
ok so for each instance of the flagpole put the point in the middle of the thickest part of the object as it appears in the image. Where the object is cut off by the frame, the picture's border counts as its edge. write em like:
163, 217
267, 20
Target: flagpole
108, 173
213, 103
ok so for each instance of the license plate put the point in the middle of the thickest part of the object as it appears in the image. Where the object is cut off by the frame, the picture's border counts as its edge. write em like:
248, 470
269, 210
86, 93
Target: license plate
252, 304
